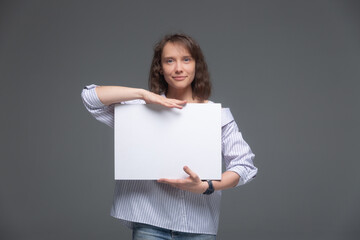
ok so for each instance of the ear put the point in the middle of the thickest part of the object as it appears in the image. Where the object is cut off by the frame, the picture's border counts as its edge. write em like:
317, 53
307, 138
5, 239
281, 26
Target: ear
161, 72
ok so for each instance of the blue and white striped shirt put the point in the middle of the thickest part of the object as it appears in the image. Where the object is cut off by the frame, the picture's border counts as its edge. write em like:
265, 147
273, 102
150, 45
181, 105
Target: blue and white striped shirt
160, 204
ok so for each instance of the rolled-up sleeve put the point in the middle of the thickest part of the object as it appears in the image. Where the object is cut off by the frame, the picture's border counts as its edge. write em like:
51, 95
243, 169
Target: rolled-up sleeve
237, 154
101, 112
96, 108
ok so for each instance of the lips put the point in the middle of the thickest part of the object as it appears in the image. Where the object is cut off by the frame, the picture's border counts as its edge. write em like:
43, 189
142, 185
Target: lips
179, 78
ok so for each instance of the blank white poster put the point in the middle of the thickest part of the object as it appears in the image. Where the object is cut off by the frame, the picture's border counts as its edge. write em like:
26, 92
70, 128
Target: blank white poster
152, 141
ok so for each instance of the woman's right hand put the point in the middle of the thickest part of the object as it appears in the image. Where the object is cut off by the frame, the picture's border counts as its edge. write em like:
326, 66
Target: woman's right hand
150, 97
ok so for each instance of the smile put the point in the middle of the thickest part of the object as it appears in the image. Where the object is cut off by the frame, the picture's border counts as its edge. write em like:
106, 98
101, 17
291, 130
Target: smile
179, 78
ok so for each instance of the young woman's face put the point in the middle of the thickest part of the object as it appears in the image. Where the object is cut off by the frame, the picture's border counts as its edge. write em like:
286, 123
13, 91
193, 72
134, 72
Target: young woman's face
178, 66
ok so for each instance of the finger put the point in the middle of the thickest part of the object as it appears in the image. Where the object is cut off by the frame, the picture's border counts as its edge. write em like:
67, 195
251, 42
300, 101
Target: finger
168, 181
181, 102
162, 180
176, 182
178, 102
173, 105
171, 182
169, 104
166, 104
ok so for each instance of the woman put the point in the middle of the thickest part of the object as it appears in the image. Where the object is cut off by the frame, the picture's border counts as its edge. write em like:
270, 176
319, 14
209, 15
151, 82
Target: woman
185, 208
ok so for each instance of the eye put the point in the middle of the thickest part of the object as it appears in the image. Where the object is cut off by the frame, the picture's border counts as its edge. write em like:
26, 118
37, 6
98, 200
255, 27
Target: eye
169, 60
187, 59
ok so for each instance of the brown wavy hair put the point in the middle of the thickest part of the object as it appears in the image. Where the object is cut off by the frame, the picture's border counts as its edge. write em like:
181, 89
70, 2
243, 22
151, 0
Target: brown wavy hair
201, 85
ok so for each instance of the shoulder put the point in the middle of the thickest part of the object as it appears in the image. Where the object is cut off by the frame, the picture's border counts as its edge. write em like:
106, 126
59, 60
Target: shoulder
226, 116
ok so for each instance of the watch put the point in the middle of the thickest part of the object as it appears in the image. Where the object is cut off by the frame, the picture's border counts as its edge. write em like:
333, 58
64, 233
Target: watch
210, 189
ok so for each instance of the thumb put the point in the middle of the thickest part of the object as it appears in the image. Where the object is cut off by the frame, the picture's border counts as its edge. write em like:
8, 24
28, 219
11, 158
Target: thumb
191, 173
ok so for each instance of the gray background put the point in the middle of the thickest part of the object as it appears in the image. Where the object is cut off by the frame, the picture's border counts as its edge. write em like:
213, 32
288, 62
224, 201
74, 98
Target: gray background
289, 71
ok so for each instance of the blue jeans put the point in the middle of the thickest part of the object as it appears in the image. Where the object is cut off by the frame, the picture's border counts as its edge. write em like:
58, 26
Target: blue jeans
149, 232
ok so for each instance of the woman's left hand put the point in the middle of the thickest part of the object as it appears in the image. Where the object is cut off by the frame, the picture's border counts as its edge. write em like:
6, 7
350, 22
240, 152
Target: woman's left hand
192, 183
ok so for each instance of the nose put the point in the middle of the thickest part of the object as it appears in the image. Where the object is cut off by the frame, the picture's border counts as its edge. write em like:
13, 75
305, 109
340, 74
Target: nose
178, 67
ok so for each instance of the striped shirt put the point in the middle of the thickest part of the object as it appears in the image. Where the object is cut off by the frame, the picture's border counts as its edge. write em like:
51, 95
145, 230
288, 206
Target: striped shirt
161, 205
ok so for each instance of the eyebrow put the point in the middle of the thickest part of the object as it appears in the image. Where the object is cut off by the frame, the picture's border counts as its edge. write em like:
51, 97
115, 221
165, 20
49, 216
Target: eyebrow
167, 57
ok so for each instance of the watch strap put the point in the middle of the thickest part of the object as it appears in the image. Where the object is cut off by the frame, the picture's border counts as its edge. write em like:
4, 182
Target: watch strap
210, 189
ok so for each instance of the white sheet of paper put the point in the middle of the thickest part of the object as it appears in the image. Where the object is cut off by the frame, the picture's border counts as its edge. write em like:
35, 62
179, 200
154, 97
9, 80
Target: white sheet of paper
152, 141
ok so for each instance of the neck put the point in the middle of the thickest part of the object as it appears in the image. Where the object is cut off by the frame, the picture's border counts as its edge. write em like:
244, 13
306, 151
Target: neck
181, 94
184, 95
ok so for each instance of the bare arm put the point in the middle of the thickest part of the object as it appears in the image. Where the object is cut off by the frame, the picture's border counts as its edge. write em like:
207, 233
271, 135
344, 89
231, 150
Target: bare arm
194, 184
115, 94
229, 179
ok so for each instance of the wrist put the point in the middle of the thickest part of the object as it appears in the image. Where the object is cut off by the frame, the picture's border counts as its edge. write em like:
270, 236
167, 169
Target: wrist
210, 189
141, 93
204, 186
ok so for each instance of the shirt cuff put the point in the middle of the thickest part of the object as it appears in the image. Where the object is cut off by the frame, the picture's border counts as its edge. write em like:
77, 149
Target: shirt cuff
89, 94
246, 176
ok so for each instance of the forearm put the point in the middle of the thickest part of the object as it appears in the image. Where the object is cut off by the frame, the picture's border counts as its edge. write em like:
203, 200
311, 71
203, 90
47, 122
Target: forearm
229, 179
115, 94
193, 183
